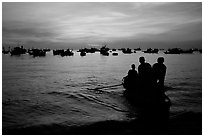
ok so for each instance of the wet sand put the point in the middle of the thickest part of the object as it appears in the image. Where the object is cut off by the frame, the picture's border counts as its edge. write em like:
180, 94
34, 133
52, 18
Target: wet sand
188, 123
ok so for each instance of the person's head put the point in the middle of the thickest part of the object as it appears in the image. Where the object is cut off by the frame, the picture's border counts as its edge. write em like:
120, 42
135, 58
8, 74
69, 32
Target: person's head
142, 60
133, 66
160, 60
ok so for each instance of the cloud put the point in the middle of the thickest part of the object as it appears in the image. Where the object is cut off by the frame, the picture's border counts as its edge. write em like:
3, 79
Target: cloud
98, 22
26, 32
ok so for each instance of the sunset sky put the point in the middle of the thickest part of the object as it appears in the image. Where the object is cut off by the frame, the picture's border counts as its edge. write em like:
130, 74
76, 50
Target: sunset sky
116, 24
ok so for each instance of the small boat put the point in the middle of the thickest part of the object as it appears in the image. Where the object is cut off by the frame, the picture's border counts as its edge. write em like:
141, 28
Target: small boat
18, 51
126, 51
151, 51
115, 54
173, 51
137, 49
104, 51
149, 100
83, 53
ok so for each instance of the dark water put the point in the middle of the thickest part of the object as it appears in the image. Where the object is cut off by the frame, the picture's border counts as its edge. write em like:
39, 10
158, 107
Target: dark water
53, 89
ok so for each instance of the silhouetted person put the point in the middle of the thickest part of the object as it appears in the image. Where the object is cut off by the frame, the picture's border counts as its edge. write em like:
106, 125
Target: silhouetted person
131, 79
163, 101
145, 73
133, 73
159, 72
154, 111
145, 82
131, 83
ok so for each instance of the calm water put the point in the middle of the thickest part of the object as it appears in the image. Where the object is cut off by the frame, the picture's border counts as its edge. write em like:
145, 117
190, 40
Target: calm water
53, 89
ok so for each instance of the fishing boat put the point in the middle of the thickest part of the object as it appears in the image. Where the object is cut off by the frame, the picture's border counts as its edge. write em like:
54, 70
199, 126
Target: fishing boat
115, 54
152, 102
126, 51
104, 51
18, 51
82, 53
151, 51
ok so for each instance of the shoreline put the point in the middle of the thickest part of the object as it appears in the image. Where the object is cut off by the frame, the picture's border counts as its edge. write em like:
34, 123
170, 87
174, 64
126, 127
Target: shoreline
187, 123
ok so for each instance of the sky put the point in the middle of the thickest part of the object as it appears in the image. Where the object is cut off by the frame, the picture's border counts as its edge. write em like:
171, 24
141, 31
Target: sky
117, 24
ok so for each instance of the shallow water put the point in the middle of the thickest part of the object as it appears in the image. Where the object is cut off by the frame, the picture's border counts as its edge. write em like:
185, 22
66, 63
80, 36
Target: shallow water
53, 89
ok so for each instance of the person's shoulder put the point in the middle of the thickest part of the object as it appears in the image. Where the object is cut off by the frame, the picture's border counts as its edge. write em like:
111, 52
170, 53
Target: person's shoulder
164, 66
148, 64
135, 71
155, 64
130, 70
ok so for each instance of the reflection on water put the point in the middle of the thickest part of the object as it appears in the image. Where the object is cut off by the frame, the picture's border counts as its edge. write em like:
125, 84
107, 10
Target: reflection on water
53, 89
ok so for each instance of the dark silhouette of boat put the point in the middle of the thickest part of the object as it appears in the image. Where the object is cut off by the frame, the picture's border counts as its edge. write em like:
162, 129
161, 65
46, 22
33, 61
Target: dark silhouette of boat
137, 49
115, 54
37, 52
104, 51
113, 49
173, 51
58, 52
126, 51
150, 50
82, 53
182, 51
63, 53
4, 51
197, 50
149, 99
87, 50
200, 50
46, 50
67, 52
18, 51
188, 51
92, 50
151, 110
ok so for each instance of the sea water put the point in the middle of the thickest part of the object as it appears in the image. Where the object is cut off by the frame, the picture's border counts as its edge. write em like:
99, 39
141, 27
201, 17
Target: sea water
56, 90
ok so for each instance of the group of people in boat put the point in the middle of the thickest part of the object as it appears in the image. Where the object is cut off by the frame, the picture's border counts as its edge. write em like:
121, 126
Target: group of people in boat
148, 83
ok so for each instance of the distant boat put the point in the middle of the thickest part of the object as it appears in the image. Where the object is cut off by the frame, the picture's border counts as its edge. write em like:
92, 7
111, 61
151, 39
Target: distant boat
104, 51
173, 51
115, 54
126, 51
63, 53
37, 52
189, 51
91, 50
18, 51
151, 51
5, 51
67, 52
58, 52
83, 53
137, 49
200, 50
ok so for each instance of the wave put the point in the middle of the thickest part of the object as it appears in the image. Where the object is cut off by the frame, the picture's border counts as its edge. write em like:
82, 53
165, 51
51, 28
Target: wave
96, 100
88, 98
58, 93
